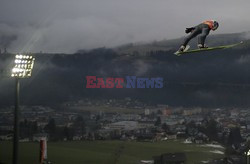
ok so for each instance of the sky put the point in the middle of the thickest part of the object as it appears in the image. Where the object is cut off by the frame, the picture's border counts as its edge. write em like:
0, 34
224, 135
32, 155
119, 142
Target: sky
69, 25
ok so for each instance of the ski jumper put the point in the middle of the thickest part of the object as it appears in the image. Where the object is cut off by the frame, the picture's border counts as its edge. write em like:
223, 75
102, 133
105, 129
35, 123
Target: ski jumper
203, 29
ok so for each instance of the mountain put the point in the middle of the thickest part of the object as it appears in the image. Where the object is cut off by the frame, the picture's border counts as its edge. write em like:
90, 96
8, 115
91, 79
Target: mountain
168, 45
211, 79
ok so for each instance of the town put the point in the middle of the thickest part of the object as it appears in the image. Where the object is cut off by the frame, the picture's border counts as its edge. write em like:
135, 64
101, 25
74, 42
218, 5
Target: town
130, 120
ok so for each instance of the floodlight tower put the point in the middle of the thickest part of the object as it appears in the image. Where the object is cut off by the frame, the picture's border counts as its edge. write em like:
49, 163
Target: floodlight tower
22, 69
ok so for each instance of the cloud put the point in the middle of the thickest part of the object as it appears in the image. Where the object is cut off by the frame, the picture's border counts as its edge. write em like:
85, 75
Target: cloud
7, 36
66, 26
244, 59
141, 67
246, 35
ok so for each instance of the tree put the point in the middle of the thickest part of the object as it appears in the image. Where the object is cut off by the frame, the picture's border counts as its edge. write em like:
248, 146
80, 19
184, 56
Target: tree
159, 112
165, 127
28, 128
98, 117
79, 123
68, 133
234, 137
158, 121
212, 130
50, 128
34, 127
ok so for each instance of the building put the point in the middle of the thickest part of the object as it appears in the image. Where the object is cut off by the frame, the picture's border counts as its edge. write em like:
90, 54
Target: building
146, 124
166, 112
123, 125
147, 112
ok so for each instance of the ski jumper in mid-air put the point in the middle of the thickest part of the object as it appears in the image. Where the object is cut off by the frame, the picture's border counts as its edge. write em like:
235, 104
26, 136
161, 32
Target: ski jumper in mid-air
203, 29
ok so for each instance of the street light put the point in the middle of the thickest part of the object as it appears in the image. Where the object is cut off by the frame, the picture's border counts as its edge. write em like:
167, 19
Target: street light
22, 69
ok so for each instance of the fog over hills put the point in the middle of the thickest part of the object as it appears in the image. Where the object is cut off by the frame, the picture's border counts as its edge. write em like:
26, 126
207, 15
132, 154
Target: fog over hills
66, 26
217, 78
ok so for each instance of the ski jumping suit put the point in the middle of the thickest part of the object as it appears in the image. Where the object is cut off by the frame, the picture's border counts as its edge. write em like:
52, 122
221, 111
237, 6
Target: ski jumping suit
203, 29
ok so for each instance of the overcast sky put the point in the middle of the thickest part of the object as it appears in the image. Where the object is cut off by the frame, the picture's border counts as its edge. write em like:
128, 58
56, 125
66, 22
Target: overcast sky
69, 25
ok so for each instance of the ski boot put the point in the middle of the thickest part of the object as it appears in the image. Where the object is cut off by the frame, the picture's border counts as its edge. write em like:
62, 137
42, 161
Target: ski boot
181, 49
202, 46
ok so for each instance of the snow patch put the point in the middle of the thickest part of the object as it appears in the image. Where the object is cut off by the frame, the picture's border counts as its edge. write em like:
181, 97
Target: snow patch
216, 152
213, 146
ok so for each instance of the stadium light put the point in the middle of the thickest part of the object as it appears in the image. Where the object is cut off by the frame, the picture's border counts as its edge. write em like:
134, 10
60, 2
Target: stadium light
22, 69
23, 66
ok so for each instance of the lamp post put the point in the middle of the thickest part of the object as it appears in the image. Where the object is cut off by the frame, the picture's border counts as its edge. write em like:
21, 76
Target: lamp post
247, 155
22, 69
16, 124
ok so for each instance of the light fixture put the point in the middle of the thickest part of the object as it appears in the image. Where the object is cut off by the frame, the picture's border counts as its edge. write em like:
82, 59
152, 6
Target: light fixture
23, 66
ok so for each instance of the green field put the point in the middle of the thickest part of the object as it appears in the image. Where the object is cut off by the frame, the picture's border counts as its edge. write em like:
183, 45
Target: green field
106, 152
